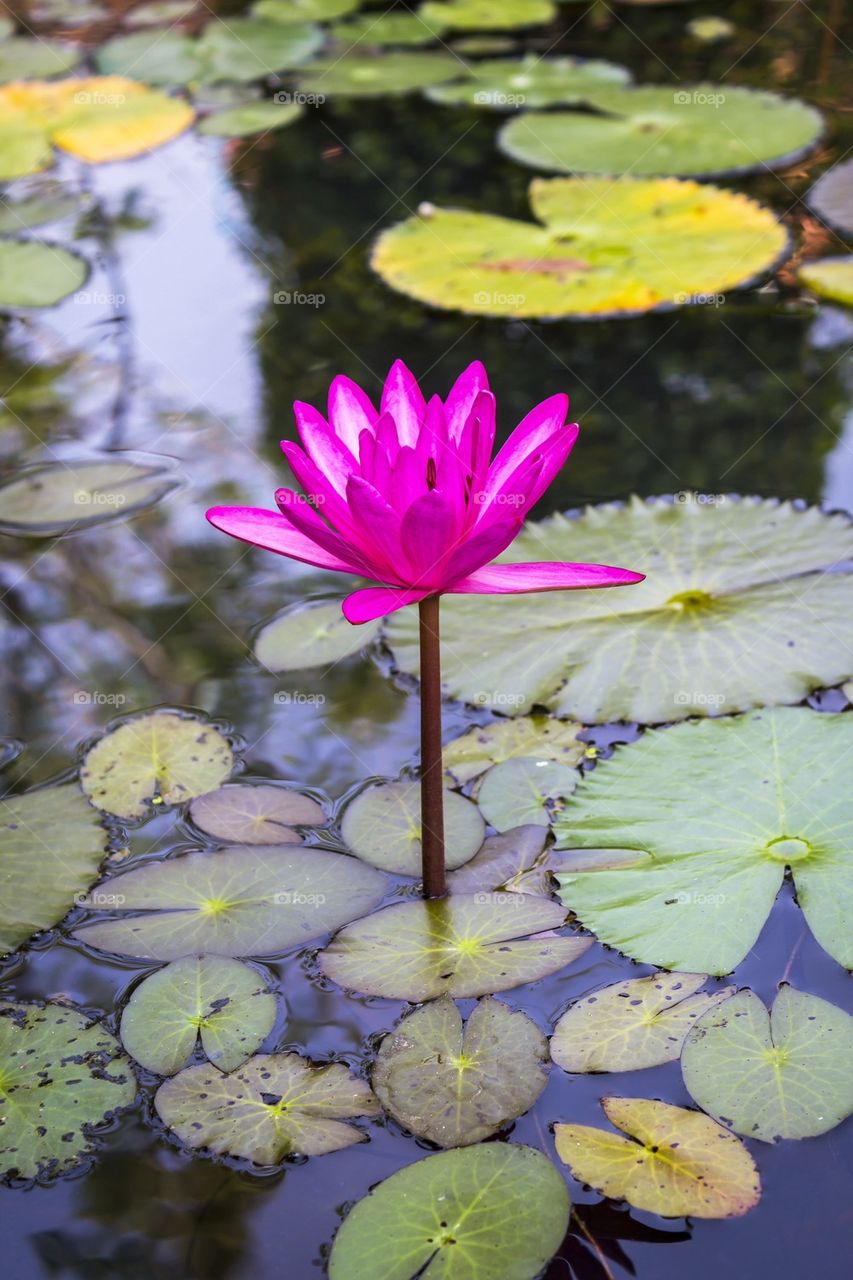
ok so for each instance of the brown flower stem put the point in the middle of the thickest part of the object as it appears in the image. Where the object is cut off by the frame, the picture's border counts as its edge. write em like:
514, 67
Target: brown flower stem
432, 795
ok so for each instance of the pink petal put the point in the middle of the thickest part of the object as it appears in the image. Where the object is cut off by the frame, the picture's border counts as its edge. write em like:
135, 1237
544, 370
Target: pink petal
480, 547
378, 526
325, 449
376, 602
506, 579
462, 395
402, 398
427, 534
351, 411
534, 431
273, 532
324, 496
306, 521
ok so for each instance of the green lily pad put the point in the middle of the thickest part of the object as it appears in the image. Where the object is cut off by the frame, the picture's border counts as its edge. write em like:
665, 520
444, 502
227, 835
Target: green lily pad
275, 1105
536, 737
831, 197
674, 1162
634, 1024
35, 58
505, 84
233, 49
61, 1074
830, 278
493, 1212
159, 11
59, 497
392, 28
255, 813
508, 861
355, 75
525, 791
464, 945
783, 1074
716, 626
485, 15
303, 10
709, 30
36, 274
48, 201
51, 845
609, 248
456, 1087
382, 825
313, 635
703, 130
221, 1002
249, 118
257, 901
718, 809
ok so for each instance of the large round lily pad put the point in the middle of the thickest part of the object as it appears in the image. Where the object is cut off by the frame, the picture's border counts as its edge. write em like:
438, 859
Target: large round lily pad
485, 15
464, 945
782, 1074
492, 1212
831, 197
59, 497
35, 58
356, 75
51, 845
396, 27
534, 737
705, 130
383, 826
36, 274
505, 84
257, 901
737, 610
61, 1074
457, 1087
607, 248
312, 635
275, 1105
674, 1162
255, 813
525, 791
830, 278
716, 810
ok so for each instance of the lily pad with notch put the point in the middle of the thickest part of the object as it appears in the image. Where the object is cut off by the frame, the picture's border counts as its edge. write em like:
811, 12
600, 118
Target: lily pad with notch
523, 791
538, 737
485, 15
255, 813
382, 826
52, 499
311, 635
34, 273
505, 84
356, 75
396, 27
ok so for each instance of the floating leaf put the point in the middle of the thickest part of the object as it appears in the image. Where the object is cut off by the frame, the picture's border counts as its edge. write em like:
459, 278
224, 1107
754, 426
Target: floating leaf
831, 197
359, 75
232, 49
60, 497
249, 118
257, 901
303, 10
394, 27
465, 945
157, 11
456, 1088
493, 1212
60, 1075
504, 861
313, 635
674, 1162
709, 30
737, 610
485, 15
35, 58
536, 737
784, 1074
48, 201
51, 845
504, 84
275, 1105
634, 1024
705, 130
219, 1001
36, 274
255, 813
382, 825
718, 809
830, 278
609, 248
524, 791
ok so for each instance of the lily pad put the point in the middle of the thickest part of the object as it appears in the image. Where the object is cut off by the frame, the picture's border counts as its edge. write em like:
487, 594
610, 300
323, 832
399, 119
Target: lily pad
634, 1024
464, 945
221, 1002
303, 10
255, 813
493, 1212
275, 1105
51, 845
674, 1162
36, 274
392, 28
158, 759
56, 498
159, 11
35, 58
250, 118
831, 197
507, 861
608, 248
717, 809
382, 825
47, 201
505, 84
536, 737
313, 635
61, 1074
525, 791
830, 278
485, 15
783, 1074
355, 75
258, 901
717, 626
704, 130
456, 1087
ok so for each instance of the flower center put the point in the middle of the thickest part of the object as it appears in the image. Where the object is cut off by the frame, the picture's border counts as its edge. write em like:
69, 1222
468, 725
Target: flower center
689, 601
787, 849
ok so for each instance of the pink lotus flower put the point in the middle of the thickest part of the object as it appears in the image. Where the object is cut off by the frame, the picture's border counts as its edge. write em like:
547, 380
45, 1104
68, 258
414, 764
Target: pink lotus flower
411, 498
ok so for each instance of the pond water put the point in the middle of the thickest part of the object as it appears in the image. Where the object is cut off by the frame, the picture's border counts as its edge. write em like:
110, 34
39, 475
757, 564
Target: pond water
175, 346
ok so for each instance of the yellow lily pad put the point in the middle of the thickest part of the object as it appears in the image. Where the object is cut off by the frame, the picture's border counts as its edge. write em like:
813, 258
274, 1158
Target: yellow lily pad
830, 278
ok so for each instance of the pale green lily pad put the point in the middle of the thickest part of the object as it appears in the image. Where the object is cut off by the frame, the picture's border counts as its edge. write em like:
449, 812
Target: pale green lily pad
674, 1162
275, 1105
312, 635
485, 15
711, 29
505, 84
257, 901
703, 130
393, 28
157, 11
56, 498
228, 49
357, 75
151, 760
250, 118
492, 1212
830, 278
513, 860
634, 1024
45, 201
456, 1087
36, 274
524, 791
255, 813
51, 845
609, 248
35, 58
219, 1001
783, 1074
382, 825
537, 737
831, 197
61, 1075
718, 809
737, 610
302, 10
464, 945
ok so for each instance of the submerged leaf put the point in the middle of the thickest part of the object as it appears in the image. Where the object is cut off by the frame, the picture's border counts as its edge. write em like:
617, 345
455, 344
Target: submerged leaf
524, 791
382, 825
537, 737
313, 635
255, 813
36, 274
56, 498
